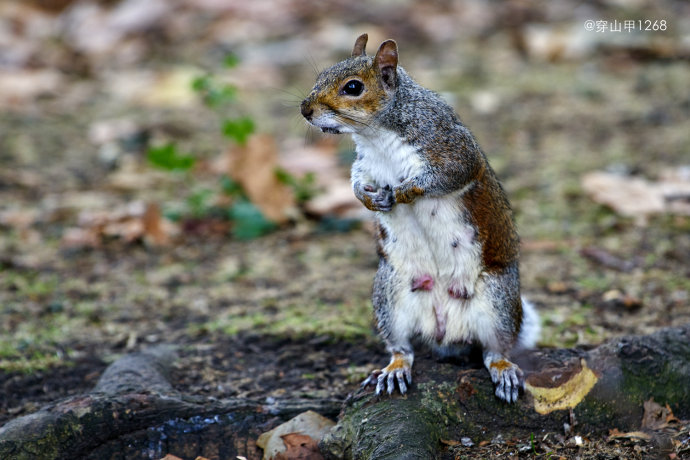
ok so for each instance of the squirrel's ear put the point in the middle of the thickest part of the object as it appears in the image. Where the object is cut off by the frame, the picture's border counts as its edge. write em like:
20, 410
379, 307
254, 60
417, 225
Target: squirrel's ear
360, 45
386, 61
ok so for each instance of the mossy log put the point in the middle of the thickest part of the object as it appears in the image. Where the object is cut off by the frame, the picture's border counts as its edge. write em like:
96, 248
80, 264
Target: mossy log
134, 412
597, 389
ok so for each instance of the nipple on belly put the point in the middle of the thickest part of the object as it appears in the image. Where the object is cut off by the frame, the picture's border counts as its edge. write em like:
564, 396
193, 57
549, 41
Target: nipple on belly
441, 318
459, 291
422, 283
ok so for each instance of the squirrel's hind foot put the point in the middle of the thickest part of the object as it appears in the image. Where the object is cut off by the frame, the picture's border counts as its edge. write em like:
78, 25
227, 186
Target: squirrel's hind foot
507, 376
399, 371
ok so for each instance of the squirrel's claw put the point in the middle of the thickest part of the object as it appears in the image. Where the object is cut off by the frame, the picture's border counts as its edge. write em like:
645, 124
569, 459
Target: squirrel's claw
507, 377
398, 371
387, 380
400, 376
373, 377
508, 387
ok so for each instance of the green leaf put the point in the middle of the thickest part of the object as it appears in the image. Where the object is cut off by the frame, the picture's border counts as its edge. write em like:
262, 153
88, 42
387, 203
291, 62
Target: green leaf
201, 83
238, 129
231, 60
248, 222
168, 158
231, 187
220, 95
213, 93
305, 187
198, 202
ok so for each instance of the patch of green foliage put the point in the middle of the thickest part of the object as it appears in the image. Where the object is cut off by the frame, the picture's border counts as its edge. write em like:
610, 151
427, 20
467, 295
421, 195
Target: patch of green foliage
304, 188
168, 158
238, 129
248, 222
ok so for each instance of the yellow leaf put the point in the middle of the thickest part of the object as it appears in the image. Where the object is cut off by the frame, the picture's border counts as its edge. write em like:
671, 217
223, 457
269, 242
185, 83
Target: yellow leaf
571, 386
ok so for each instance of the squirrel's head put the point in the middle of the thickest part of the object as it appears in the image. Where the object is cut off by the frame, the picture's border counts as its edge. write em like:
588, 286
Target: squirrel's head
349, 94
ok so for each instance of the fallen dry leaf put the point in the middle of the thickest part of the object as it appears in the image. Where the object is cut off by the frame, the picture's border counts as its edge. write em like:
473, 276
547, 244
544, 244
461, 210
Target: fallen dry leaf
336, 196
338, 199
616, 298
163, 88
639, 198
657, 417
80, 238
156, 229
299, 447
563, 388
616, 434
95, 29
19, 218
133, 222
254, 166
307, 423
605, 258
171, 457
450, 442
21, 86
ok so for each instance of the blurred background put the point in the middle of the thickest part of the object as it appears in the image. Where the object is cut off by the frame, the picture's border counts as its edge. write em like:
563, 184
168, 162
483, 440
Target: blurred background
158, 184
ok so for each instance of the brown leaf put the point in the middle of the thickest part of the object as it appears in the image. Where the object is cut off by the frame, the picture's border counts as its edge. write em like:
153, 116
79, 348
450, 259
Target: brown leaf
337, 199
656, 417
171, 457
616, 434
335, 191
299, 447
450, 442
20, 86
156, 231
133, 222
615, 298
80, 238
637, 197
603, 257
19, 218
309, 424
254, 167
670, 418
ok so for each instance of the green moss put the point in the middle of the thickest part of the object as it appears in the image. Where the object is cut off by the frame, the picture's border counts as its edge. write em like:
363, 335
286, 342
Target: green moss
341, 321
33, 345
30, 285
641, 384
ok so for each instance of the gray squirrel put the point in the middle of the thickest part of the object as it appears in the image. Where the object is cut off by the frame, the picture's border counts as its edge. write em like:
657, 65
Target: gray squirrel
446, 238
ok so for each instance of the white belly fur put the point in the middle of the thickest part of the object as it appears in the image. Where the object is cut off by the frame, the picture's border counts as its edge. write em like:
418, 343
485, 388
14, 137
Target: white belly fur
421, 238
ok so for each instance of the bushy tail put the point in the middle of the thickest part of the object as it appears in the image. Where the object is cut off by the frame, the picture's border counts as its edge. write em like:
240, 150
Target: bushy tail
531, 326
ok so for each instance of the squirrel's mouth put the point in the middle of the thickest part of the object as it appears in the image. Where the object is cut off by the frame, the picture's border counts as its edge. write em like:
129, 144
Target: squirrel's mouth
330, 130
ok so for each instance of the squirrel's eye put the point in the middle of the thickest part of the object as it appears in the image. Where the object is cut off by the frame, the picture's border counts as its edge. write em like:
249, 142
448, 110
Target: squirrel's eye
353, 88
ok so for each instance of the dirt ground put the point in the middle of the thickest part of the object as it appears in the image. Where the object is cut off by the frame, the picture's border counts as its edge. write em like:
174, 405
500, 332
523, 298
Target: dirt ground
288, 314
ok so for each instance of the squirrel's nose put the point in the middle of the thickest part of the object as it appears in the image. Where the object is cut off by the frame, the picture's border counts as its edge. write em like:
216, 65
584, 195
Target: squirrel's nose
307, 111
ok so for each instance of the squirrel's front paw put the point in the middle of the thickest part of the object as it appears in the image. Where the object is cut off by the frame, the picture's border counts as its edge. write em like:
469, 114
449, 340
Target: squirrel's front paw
407, 191
381, 199
399, 370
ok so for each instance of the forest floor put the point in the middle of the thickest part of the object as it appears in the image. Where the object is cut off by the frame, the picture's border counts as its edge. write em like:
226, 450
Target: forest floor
289, 314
